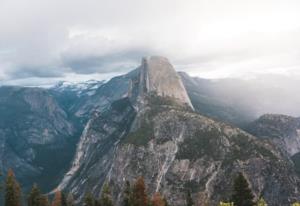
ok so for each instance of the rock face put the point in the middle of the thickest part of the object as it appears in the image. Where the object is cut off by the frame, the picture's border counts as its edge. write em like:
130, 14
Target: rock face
283, 130
151, 131
93, 158
35, 132
158, 76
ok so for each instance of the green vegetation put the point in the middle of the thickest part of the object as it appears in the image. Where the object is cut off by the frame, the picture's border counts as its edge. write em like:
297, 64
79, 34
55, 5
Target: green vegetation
12, 190
133, 195
141, 136
261, 202
203, 143
121, 105
226, 204
242, 194
189, 199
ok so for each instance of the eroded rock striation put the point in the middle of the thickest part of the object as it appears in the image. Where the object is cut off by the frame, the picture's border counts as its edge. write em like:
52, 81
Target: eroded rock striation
152, 131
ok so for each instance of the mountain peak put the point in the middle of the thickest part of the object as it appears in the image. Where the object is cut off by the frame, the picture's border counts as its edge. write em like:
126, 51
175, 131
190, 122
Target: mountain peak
159, 76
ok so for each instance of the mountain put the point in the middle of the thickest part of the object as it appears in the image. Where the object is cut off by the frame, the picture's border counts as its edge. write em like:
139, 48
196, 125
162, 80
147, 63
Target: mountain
36, 137
68, 93
283, 130
149, 128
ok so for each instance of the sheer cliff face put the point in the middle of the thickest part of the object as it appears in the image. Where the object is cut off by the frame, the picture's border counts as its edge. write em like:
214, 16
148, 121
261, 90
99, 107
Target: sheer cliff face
158, 76
151, 132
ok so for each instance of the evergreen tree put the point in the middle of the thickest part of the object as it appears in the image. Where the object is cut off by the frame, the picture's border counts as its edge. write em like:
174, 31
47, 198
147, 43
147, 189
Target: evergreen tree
242, 194
139, 195
189, 199
157, 200
12, 190
106, 199
57, 200
127, 194
89, 200
34, 198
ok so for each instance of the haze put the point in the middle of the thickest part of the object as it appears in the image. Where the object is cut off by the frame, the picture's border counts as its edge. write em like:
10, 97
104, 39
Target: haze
42, 42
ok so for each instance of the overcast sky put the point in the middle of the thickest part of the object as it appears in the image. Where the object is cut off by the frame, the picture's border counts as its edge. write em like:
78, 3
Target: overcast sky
43, 41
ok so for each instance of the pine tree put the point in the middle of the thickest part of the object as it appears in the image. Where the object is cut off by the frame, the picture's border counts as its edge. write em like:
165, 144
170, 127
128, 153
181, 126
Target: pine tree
157, 200
34, 198
139, 195
57, 200
106, 199
127, 194
242, 194
189, 199
89, 200
12, 190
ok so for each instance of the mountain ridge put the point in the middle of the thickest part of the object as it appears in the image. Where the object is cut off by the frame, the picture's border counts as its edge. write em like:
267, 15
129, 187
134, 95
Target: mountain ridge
175, 149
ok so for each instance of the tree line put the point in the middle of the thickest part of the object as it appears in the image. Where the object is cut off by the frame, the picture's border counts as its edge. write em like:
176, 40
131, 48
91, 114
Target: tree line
133, 195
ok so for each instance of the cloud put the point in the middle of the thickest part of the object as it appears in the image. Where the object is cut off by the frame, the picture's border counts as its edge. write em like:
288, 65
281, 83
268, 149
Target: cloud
52, 40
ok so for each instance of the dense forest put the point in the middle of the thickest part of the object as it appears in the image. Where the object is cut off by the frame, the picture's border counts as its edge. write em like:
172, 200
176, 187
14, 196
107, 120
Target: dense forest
133, 195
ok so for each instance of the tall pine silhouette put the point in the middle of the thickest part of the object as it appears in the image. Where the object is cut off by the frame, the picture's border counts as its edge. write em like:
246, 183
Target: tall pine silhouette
35, 198
12, 190
242, 194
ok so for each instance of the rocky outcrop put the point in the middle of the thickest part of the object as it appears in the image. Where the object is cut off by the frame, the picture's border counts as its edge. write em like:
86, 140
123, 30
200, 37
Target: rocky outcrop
96, 148
158, 76
178, 151
282, 130
34, 131
152, 131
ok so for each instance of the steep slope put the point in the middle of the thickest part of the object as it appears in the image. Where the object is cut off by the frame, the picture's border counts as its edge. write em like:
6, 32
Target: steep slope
153, 132
97, 145
158, 76
283, 130
68, 93
176, 150
114, 89
34, 133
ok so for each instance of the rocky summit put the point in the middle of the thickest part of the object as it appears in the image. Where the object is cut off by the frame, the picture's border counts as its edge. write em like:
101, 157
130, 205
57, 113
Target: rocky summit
158, 76
149, 128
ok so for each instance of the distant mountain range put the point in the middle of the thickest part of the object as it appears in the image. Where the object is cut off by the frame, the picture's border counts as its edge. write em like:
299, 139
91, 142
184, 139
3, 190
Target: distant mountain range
179, 132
